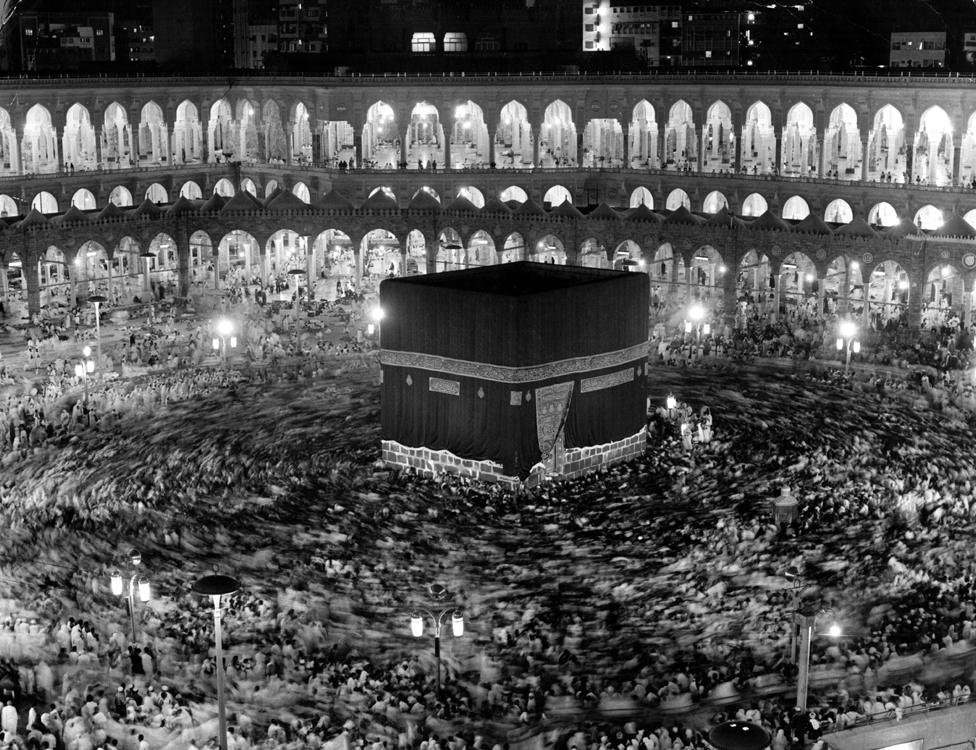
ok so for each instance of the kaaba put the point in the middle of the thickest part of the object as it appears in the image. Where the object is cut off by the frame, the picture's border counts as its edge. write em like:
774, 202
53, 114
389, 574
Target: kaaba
514, 371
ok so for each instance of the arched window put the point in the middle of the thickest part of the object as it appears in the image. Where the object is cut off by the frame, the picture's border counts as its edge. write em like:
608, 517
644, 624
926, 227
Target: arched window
423, 41
455, 41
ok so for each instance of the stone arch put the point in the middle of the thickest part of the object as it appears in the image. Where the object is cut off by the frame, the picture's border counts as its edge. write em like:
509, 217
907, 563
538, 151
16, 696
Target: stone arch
714, 202
224, 188
929, 217
271, 186
273, 133
425, 138
754, 205
338, 144
8, 206
706, 271
603, 143
220, 131
121, 196
300, 130
641, 195
934, 153
967, 155
381, 257
201, 256
156, 193
680, 144
284, 251
757, 153
942, 296
78, 142
888, 292
842, 151
887, 151
718, 139
450, 251
248, 186
116, 138
428, 190
513, 194
416, 255
676, 199
381, 139
513, 138
472, 194
797, 285
548, 249
628, 256
643, 134
45, 203
163, 266
469, 137
843, 287
481, 249
593, 254
9, 153
334, 255
83, 199
92, 262
54, 277
187, 134
385, 190
969, 218
667, 272
191, 191
513, 249
801, 151
795, 209
557, 137
556, 196
301, 191
839, 211
883, 214
238, 256
248, 147
153, 141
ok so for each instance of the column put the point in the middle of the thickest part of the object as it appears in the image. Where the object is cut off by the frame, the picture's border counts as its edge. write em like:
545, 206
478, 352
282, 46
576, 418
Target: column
967, 307
914, 308
491, 122
864, 160
535, 147
183, 268
32, 279
309, 261
844, 293
448, 134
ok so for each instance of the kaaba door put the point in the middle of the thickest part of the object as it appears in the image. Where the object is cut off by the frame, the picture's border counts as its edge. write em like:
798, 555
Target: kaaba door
551, 409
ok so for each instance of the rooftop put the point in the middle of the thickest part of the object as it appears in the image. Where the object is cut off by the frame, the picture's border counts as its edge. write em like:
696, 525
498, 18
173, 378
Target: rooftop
514, 279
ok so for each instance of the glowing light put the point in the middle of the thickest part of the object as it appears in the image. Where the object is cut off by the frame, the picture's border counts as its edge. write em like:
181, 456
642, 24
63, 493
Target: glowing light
903, 284
696, 313
847, 329
834, 631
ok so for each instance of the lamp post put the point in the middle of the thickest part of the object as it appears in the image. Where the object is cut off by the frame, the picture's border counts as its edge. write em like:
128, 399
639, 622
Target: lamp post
97, 300
84, 367
374, 326
224, 338
215, 586
118, 588
437, 618
807, 617
847, 338
792, 574
696, 322
295, 273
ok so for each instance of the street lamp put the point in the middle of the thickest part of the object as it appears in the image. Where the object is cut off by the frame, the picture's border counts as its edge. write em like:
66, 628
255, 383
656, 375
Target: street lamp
224, 337
438, 619
119, 588
97, 300
84, 367
696, 321
377, 314
847, 338
296, 272
807, 616
216, 586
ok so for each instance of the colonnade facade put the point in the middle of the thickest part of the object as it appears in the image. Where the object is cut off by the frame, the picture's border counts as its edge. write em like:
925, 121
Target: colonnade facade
842, 194
906, 279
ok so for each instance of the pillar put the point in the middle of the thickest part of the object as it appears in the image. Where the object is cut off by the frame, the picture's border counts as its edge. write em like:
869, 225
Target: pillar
183, 268
967, 307
914, 307
535, 146
448, 133
309, 261
30, 269
625, 129
491, 123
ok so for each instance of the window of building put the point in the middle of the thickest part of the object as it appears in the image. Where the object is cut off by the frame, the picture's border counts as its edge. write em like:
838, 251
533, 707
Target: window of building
455, 41
588, 27
423, 41
588, 45
487, 43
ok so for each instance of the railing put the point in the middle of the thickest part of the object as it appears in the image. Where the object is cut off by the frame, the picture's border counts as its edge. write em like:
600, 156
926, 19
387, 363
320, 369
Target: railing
912, 77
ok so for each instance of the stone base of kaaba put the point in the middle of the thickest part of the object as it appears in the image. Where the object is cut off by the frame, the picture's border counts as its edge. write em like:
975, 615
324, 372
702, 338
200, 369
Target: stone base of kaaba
577, 462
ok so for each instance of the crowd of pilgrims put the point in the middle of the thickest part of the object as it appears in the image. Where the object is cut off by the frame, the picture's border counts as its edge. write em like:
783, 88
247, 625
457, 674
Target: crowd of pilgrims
653, 589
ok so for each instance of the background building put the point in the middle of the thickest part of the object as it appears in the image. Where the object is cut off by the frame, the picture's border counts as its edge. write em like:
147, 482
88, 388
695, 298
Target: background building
65, 41
918, 49
200, 36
